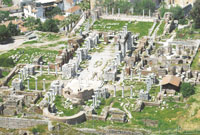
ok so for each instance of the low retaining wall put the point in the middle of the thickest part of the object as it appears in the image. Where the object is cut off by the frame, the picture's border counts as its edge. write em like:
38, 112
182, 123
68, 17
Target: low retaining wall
18, 123
151, 103
72, 120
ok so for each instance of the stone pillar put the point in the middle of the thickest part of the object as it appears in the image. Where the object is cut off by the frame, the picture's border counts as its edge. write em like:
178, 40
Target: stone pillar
48, 68
22, 75
160, 87
106, 11
143, 13
28, 83
123, 74
112, 11
118, 11
93, 99
56, 71
149, 13
114, 90
19, 74
40, 68
44, 84
36, 83
123, 90
131, 96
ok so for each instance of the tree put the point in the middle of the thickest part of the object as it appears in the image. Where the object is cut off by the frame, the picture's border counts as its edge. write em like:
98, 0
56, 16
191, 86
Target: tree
6, 62
146, 5
50, 26
195, 14
12, 29
4, 33
4, 15
187, 89
52, 12
177, 12
85, 5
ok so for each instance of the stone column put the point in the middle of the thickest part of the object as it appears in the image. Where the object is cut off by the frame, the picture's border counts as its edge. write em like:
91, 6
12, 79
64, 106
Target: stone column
149, 13
93, 99
19, 74
22, 75
131, 74
143, 13
118, 11
114, 90
28, 83
44, 84
106, 11
160, 87
123, 74
131, 92
123, 90
48, 68
36, 83
56, 71
112, 11
40, 68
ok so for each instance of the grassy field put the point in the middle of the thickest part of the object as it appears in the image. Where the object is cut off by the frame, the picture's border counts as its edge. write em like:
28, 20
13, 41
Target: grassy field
154, 28
161, 29
66, 111
196, 62
112, 25
187, 33
28, 54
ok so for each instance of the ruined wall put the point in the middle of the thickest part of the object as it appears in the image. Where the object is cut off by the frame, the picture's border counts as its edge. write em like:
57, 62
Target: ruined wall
72, 120
17, 123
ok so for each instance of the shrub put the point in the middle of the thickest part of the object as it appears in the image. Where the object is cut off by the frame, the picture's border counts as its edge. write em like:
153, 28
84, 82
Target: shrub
187, 89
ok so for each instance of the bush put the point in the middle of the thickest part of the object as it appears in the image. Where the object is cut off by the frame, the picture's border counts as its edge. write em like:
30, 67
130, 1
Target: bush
49, 26
4, 33
195, 14
177, 12
6, 62
187, 89
12, 29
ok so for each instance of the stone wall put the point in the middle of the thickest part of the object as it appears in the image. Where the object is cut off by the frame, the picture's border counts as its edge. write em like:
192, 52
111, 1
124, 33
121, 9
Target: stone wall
151, 103
72, 120
17, 123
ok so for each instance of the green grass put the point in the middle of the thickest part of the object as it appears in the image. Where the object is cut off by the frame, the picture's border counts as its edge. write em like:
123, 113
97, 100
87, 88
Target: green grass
196, 62
187, 33
112, 25
32, 42
154, 28
161, 29
26, 53
66, 112
8, 2
48, 78
4, 74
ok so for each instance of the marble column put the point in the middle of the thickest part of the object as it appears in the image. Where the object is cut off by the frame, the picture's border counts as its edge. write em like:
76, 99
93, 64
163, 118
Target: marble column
114, 90
93, 99
143, 13
131, 74
123, 90
40, 68
131, 96
28, 83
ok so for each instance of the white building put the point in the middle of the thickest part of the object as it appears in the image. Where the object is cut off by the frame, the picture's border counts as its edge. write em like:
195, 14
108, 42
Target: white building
38, 8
